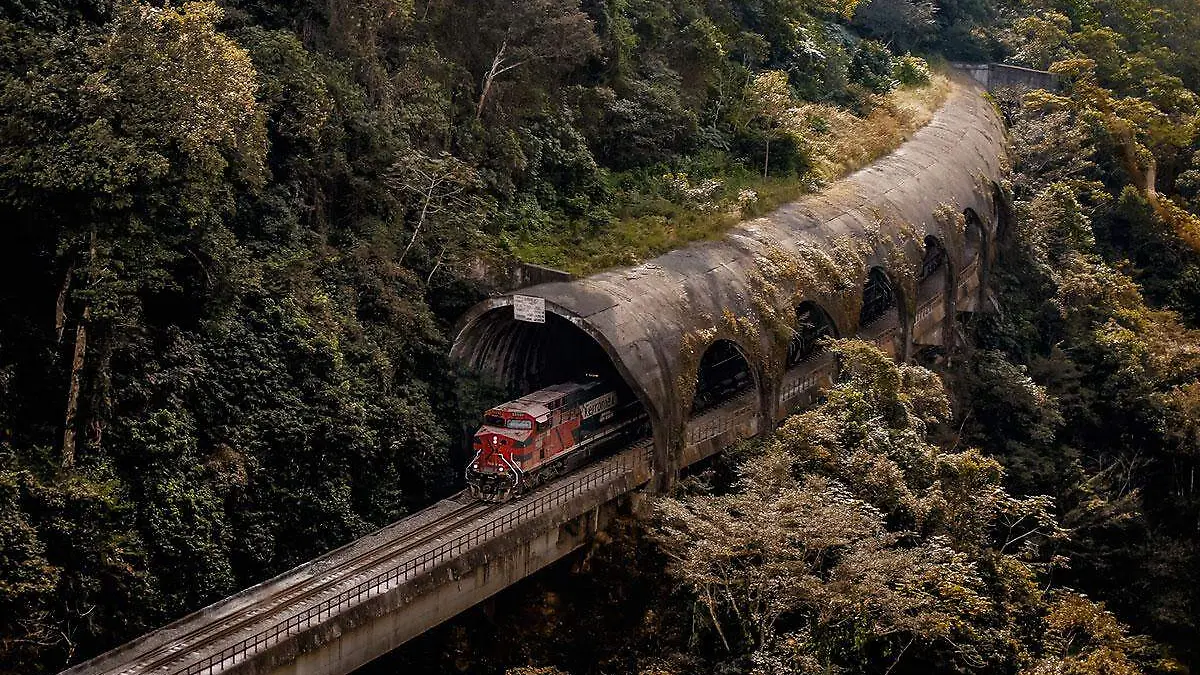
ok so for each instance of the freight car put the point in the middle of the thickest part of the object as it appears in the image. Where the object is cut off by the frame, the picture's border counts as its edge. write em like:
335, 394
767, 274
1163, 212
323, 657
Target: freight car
524, 443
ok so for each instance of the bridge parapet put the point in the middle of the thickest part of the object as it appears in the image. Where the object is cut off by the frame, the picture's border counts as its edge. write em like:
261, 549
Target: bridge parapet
714, 430
1002, 75
802, 384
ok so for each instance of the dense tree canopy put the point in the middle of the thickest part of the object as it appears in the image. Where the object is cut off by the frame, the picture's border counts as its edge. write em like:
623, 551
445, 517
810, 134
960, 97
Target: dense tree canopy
237, 232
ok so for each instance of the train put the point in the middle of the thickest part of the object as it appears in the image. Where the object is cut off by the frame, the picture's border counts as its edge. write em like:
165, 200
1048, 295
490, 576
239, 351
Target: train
547, 433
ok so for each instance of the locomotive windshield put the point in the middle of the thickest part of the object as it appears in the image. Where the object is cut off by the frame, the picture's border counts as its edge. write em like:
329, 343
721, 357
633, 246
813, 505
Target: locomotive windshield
520, 424
493, 420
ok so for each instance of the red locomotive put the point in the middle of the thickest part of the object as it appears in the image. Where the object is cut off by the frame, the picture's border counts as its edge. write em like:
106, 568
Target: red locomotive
525, 442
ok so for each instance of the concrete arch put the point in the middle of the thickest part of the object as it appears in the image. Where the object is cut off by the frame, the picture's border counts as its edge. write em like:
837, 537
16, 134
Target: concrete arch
1002, 209
654, 319
936, 279
723, 359
975, 233
491, 341
811, 322
880, 295
936, 258
979, 247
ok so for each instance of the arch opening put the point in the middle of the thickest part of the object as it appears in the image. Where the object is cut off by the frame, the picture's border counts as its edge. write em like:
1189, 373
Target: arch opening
878, 297
522, 357
974, 234
1001, 213
724, 373
935, 257
812, 324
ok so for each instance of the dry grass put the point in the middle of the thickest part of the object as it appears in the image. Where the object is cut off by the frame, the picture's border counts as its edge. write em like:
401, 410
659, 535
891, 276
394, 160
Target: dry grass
838, 141
842, 143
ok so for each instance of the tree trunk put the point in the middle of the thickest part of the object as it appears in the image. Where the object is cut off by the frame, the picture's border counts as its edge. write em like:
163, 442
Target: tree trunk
77, 363
100, 404
433, 183
68, 452
1144, 178
489, 77
767, 158
1151, 181
436, 265
60, 307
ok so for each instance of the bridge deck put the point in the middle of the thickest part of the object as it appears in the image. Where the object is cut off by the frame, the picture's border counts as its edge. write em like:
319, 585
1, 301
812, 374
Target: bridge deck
232, 630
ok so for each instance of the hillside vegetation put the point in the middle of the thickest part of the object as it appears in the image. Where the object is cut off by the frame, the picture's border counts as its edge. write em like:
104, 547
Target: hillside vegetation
1029, 505
235, 235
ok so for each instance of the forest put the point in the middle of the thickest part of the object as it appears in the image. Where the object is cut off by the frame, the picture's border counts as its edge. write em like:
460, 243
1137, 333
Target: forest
237, 234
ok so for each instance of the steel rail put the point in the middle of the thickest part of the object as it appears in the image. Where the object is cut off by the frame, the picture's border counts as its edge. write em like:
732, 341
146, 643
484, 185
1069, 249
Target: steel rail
166, 654
601, 472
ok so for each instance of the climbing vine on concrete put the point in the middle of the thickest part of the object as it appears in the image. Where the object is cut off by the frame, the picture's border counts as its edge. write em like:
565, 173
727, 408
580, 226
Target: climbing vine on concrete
830, 276
902, 266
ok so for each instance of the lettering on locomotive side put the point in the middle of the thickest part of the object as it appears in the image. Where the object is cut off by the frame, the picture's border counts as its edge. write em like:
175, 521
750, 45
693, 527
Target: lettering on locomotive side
598, 405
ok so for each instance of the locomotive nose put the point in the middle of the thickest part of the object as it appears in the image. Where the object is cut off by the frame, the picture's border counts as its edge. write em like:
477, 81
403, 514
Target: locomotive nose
489, 444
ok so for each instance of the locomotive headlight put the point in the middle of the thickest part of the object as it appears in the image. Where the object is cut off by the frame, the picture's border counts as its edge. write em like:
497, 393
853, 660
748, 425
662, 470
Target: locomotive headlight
501, 469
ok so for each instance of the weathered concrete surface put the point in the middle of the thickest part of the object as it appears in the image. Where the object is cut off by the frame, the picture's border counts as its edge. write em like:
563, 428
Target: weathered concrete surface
995, 76
654, 321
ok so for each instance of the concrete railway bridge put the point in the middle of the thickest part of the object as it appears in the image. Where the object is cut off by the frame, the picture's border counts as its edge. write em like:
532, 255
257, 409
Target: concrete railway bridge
719, 341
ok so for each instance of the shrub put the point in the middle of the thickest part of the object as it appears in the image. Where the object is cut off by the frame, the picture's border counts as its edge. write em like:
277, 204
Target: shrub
911, 71
872, 67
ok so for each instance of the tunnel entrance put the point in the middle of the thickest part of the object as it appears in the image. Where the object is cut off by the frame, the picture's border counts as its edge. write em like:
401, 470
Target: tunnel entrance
522, 357
812, 324
505, 359
1001, 211
878, 297
724, 373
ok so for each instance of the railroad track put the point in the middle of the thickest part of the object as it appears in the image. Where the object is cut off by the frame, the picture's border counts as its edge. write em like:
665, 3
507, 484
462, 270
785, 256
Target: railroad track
161, 658
256, 619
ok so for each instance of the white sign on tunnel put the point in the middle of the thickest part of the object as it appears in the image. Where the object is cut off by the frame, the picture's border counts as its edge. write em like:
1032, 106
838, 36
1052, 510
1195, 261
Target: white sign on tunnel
529, 308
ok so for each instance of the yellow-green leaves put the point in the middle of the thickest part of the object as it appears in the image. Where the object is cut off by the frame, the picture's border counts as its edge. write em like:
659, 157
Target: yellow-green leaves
167, 79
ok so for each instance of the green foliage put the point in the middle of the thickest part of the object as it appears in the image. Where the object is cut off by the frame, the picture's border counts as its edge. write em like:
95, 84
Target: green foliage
1096, 251
872, 67
911, 71
853, 542
906, 24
